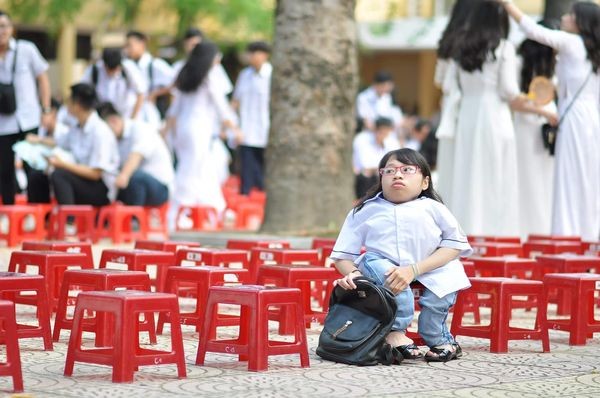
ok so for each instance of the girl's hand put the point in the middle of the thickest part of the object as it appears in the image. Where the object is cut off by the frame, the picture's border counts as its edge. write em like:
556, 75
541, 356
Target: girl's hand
347, 282
551, 117
399, 278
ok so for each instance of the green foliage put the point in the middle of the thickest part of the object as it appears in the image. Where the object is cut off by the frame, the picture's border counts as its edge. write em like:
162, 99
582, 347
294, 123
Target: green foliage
128, 9
52, 12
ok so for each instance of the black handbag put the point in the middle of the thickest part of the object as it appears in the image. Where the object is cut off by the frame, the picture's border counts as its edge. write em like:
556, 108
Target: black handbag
8, 100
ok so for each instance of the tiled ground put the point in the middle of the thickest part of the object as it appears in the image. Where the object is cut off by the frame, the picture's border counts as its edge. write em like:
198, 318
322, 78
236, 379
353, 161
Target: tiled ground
524, 372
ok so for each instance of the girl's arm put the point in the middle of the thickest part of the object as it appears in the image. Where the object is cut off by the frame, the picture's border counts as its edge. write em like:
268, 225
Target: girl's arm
349, 270
399, 278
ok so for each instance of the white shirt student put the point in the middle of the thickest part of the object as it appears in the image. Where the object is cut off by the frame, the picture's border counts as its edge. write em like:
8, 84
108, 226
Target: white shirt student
156, 73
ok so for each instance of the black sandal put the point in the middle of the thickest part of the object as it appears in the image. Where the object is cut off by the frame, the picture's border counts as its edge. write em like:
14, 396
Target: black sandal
408, 351
444, 354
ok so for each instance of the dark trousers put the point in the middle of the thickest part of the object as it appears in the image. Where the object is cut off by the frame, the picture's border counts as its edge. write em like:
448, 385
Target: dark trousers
252, 168
38, 185
144, 190
8, 180
70, 189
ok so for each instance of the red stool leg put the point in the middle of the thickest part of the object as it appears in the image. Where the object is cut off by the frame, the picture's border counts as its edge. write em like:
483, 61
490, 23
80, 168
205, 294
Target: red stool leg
13, 355
258, 337
74, 340
499, 322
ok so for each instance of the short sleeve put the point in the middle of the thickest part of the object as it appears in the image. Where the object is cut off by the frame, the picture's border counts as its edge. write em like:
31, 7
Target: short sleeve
37, 63
162, 73
453, 236
350, 240
239, 84
218, 96
175, 104
363, 108
87, 75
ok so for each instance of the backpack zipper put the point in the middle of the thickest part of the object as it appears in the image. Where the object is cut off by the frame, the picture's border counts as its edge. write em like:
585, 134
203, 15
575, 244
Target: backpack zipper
340, 330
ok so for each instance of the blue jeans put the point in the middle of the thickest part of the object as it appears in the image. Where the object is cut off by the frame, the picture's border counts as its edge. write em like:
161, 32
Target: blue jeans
144, 190
434, 310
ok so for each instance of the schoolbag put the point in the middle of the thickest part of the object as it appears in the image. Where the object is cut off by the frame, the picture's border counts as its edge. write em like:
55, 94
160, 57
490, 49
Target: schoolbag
357, 323
95, 75
162, 101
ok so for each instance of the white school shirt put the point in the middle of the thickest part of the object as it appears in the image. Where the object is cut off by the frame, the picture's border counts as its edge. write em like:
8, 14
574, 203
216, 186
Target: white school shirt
406, 233
144, 139
120, 91
162, 76
94, 145
370, 106
253, 92
366, 152
30, 64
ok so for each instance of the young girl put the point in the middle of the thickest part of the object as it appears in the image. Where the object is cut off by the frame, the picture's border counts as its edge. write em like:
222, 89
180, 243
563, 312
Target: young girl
408, 234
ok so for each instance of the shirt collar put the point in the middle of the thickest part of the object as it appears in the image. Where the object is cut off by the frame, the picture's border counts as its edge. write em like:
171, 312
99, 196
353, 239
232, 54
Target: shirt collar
90, 123
265, 70
145, 59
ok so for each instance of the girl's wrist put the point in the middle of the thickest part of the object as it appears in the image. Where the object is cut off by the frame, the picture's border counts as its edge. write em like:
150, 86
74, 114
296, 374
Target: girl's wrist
415, 269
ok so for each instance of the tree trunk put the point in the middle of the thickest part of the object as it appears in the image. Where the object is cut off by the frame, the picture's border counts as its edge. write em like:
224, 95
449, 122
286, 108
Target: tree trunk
554, 9
315, 80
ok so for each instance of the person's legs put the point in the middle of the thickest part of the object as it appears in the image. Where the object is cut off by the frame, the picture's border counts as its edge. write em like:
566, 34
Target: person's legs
433, 326
8, 181
72, 189
144, 190
259, 168
246, 169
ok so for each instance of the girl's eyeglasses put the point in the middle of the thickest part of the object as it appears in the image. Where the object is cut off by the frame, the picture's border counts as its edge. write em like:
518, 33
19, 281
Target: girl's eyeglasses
390, 171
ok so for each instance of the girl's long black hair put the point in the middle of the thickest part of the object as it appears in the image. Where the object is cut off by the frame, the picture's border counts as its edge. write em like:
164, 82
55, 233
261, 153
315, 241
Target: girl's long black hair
587, 19
477, 42
459, 17
196, 68
405, 156
538, 60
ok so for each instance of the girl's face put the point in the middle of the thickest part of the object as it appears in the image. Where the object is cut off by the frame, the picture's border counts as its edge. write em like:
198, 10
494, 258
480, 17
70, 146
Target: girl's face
568, 23
403, 183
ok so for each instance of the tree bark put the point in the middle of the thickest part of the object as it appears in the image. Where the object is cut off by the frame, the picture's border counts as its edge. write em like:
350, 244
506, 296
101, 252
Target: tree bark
309, 176
554, 9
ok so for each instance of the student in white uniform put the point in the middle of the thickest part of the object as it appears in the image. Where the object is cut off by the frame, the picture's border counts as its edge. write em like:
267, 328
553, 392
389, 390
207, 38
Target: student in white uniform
199, 103
156, 73
368, 147
146, 171
408, 235
576, 199
90, 180
252, 98
117, 80
376, 101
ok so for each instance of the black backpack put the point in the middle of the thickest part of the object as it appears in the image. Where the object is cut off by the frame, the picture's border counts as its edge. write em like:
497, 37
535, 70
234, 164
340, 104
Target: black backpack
357, 324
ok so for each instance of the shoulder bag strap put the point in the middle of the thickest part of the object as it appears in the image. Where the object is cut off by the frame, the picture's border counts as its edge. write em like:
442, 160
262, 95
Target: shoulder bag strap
14, 68
575, 97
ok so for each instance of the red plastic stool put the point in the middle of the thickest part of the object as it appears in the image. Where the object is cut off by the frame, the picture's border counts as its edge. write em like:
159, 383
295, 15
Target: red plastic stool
140, 260
210, 256
125, 355
581, 289
497, 249
499, 331
202, 277
83, 216
299, 276
261, 256
11, 282
156, 217
115, 222
253, 342
247, 244
50, 264
204, 217
16, 214
497, 239
62, 246
98, 280
507, 267
533, 237
12, 366
165, 246
249, 215
531, 248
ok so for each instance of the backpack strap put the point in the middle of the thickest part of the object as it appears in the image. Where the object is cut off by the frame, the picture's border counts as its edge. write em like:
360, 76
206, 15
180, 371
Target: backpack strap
94, 74
151, 74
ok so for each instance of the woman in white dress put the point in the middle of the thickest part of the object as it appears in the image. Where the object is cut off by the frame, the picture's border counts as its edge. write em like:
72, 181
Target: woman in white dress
535, 164
576, 198
197, 108
484, 195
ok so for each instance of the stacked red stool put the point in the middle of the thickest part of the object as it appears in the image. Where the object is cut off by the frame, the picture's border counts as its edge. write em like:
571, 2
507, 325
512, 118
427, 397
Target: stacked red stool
499, 331
530, 248
125, 355
497, 249
299, 276
507, 267
16, 215
11, 282
260, 256
202, 277
211, 256
115, 222
253, 343
50, 264
581, 288
98, 280
164, 245
62, 246
83, 217
140, 260
12, 366
248, 244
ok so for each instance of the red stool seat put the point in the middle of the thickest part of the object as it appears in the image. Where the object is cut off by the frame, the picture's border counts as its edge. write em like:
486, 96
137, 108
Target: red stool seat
247, 244
16, 215
210, 256
508, 267
140, 260
83, 216
497, 239
100, 279
499, 331
62, 246
115, 222
11, 282
125, 355
533, 237
165, 246
12, 366
534, 247
253, 342
260, 256
201, 277
581, 289
50, 264
496, 249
